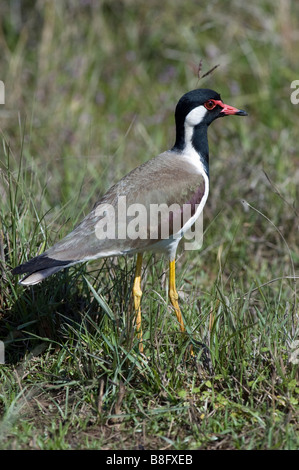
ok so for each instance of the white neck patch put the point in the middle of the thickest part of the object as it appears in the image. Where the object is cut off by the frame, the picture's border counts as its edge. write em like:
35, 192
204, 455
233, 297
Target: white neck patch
192, 119
195, 116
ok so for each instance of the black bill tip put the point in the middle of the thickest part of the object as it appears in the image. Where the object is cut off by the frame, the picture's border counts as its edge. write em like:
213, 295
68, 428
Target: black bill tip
240, 112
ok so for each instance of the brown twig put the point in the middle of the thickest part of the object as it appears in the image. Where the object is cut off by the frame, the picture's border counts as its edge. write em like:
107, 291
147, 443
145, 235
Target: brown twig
100, 397
199, 69
210, 71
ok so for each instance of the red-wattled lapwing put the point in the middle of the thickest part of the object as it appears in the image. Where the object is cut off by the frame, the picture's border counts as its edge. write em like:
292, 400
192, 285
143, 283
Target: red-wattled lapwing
177, 179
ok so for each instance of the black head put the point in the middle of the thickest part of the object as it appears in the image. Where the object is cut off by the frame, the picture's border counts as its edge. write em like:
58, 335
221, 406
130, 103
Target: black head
202, 106
194, 113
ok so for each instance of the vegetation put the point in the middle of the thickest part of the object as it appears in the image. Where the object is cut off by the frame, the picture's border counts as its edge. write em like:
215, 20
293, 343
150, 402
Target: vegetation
90, 91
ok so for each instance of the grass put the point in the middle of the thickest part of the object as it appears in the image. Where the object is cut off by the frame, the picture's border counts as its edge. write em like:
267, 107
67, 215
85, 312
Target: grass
90, 93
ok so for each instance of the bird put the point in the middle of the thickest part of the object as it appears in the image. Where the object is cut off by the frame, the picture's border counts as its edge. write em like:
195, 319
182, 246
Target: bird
168, 194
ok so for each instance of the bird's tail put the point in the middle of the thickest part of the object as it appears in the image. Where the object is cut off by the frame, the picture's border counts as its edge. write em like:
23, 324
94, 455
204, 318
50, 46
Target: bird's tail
39, 268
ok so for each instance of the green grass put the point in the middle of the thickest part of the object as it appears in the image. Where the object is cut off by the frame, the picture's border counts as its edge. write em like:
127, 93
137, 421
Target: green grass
90, 94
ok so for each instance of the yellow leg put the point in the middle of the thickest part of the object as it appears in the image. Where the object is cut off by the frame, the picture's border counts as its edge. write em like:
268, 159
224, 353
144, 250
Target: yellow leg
137, 293
173, 295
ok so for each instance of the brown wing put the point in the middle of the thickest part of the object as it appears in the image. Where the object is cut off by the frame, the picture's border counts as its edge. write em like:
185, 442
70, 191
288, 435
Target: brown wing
116, 226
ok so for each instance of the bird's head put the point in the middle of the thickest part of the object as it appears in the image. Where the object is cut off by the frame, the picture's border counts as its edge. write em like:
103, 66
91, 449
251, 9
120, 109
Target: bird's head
203, 106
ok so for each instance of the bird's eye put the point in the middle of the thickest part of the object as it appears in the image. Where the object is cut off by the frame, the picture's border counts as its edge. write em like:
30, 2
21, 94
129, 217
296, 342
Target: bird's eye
210, 104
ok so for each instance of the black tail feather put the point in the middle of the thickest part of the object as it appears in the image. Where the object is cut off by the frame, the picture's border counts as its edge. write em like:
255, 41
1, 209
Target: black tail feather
39, 263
